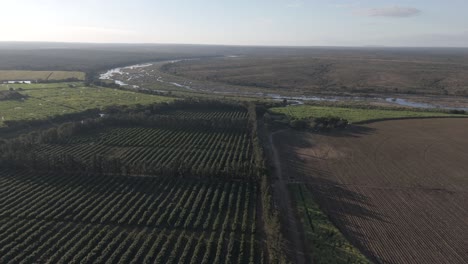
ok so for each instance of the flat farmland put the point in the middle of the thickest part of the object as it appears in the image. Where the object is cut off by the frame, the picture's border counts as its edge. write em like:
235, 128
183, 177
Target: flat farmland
40, 75
46, 100
396, 189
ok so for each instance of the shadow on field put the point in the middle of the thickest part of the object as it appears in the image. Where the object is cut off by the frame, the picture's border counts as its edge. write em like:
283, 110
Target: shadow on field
354, 131
340, 204
338, 201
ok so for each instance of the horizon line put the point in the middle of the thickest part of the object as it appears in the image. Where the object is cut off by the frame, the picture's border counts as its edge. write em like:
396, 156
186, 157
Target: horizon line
230, 45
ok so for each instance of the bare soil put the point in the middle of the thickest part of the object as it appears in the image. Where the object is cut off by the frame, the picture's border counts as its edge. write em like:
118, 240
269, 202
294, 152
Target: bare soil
397, 189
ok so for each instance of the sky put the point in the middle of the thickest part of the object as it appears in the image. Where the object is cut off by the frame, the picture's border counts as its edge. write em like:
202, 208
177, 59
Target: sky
420, 23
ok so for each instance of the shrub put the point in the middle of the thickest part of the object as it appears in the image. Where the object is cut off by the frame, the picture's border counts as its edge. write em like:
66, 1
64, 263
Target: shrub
299, 123
331, 122
457, 112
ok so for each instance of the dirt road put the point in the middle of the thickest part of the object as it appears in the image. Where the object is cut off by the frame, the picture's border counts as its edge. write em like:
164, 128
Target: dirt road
282, 199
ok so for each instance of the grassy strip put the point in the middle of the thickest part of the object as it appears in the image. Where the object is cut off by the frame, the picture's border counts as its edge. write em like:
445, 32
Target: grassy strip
353, 115
323, 240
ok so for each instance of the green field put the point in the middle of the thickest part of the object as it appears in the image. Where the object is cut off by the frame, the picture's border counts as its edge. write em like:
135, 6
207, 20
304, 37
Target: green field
45, 100
325, 242
353, 115
40, 75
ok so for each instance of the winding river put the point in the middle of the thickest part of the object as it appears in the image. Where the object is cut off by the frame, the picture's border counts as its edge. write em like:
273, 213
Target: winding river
113, 74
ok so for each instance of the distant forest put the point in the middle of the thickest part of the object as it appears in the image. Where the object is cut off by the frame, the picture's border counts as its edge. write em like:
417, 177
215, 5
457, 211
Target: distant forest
92, 57
309, 69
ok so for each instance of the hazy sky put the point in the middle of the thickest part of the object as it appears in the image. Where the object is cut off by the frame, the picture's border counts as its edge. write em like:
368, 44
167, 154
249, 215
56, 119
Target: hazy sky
244, 22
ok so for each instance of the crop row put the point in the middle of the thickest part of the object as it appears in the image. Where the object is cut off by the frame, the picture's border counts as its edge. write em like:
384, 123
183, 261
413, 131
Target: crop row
159, 147
39, 241
144, 202
67, 219
208, 114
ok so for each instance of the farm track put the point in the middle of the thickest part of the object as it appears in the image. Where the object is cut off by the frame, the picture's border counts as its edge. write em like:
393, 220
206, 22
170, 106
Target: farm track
282, 198
397, 191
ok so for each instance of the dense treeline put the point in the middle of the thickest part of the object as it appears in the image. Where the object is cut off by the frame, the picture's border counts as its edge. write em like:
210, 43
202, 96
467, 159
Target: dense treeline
100, 165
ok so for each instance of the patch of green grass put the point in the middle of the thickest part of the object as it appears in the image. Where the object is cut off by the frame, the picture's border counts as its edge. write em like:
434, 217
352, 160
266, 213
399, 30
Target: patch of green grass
45, 100
353, 115
324, 241
40, 75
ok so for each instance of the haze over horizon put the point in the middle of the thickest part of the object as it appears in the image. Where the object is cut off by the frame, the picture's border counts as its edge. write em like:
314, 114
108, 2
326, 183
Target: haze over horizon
414, 23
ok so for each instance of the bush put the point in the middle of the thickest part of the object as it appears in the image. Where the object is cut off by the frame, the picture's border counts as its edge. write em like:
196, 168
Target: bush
299, 123
331, 122
11, 95
457, 112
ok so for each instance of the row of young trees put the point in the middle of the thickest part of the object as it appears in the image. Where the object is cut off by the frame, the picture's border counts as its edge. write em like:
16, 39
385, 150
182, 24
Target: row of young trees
101, 165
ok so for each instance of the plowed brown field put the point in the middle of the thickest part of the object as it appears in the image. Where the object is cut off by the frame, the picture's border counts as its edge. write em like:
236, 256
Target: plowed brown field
397, 189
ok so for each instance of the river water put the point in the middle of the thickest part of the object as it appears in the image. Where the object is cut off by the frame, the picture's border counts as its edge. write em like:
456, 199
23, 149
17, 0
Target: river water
14, 82
112, 75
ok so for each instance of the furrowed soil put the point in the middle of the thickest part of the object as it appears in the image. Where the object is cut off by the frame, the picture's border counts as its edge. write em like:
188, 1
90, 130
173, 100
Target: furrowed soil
397, 189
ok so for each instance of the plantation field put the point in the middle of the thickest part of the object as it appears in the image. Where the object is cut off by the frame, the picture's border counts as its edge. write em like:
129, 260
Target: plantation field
396, 189
40, 75
196, 148
165, 183
74, 218
353, 115
46, 100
